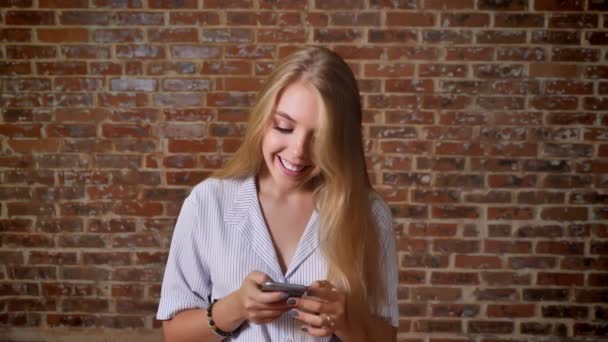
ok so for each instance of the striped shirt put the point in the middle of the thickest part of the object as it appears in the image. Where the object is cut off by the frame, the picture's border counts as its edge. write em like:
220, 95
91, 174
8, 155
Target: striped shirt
221, 236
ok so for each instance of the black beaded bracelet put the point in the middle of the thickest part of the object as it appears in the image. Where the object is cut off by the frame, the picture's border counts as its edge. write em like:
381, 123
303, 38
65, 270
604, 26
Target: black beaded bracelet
211, 323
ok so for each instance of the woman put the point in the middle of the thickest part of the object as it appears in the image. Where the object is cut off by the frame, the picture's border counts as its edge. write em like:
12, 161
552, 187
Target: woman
294, 205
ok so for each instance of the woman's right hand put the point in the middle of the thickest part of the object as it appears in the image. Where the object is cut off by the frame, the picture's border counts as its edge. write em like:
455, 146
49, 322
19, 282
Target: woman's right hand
257, 306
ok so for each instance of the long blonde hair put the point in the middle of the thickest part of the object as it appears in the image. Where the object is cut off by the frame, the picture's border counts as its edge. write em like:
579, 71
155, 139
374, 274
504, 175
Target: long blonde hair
349, 236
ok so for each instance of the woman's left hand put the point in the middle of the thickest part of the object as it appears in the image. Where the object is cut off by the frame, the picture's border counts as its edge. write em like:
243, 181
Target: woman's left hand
322, 309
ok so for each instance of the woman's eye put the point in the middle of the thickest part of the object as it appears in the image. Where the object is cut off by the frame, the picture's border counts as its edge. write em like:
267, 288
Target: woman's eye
283, 130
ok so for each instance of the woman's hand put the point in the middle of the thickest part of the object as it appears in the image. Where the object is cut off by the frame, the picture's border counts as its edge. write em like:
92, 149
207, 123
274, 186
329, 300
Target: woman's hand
258, 306
323, 309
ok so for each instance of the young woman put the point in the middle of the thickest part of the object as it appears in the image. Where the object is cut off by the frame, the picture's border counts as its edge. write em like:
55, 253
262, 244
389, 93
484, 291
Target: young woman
294, 205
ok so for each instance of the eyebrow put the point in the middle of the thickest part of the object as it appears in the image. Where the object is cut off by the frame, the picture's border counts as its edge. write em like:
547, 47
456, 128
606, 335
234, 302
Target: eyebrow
284, 115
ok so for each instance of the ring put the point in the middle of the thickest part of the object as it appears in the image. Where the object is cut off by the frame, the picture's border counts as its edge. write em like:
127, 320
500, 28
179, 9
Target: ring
329, 320
325, 283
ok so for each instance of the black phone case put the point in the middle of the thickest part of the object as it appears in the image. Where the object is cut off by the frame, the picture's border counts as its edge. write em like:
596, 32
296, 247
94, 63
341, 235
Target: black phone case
292, 289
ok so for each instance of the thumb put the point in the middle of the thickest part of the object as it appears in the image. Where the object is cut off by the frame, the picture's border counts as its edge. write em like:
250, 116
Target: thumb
258, 277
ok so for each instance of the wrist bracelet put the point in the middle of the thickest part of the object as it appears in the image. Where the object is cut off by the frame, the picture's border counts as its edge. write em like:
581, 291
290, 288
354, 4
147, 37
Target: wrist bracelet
211, 323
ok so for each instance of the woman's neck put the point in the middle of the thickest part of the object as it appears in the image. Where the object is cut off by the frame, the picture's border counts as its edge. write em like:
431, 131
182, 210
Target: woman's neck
270, 190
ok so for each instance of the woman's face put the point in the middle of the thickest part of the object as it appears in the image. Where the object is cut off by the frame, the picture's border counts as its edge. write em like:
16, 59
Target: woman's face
287, 141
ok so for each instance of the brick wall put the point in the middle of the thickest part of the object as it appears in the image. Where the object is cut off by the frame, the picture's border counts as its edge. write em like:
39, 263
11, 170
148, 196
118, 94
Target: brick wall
487, 131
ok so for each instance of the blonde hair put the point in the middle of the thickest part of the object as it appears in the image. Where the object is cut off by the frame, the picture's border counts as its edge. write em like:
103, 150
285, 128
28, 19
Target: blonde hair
349, 236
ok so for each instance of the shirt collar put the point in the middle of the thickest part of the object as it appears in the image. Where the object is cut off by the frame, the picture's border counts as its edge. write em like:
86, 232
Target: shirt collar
245, 214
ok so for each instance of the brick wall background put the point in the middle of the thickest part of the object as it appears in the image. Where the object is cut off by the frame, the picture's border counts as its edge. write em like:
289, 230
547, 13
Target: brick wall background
487, 130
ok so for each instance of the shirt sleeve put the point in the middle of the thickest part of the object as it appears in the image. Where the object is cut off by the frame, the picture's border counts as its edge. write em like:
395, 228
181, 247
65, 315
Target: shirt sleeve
382, 213
186, 283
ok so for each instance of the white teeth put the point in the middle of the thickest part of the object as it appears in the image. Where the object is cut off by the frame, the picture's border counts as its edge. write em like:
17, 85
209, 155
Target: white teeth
291, 167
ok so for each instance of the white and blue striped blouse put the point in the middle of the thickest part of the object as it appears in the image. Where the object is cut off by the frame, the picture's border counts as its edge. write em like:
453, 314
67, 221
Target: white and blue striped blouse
221, 236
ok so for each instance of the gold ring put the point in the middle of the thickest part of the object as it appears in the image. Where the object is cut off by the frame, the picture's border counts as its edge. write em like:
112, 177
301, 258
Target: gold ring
330, 321
327, 284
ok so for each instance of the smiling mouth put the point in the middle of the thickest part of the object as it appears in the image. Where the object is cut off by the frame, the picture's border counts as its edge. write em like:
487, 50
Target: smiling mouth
291, 167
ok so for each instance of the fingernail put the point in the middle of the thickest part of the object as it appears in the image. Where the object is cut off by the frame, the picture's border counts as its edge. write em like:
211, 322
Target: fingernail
293, 313
285, 296
304, 329
291, 301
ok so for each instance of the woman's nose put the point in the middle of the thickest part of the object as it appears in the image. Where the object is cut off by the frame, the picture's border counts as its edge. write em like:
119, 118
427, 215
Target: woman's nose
300, 148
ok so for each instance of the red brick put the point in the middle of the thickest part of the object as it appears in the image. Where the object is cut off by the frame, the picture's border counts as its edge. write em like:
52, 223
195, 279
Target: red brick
518, 53
591, 296
12, 68
466, 181
77, 320
510, 213
176, 4
20, 131
545, 294
436, 293
490, 327
435, 196
449, 4
555, 37
454, 278
62, 68
505, 246
226, 67
424, 261
15, 35
570, 311
498, 71
455, 246
70, 35
505, 278
123, 130
560, 279
442, 70
138, 209
556, 5
136, 240
63, 4
31, 52
465, 19
292, 35
560, 247
511, 310
15, 225
118, 35
408, 53
563, 54
106, 68
294, 4
477, 262
337, 35
454, 310
27, 240
83, 209
60, 225
138, 18
489, 197
579, 21
438, 326
564, 213
501, 37
469, 53
535, 328
194, 18
188, 114
29, 18
518, 20
446, 36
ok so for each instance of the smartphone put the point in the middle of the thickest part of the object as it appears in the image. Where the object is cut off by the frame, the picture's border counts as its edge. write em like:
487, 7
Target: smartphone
292, 289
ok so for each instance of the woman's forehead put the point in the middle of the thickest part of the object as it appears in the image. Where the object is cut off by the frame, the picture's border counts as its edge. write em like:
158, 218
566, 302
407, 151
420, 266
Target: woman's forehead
300, 104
